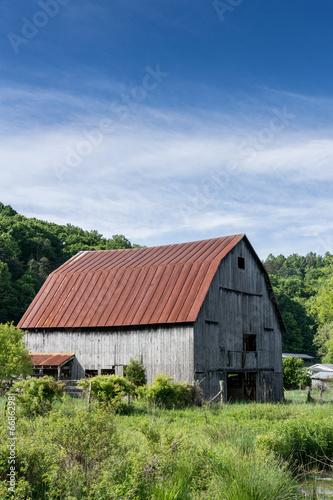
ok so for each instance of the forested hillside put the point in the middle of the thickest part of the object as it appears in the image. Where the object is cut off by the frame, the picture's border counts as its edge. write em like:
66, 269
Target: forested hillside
303, 288
30, 249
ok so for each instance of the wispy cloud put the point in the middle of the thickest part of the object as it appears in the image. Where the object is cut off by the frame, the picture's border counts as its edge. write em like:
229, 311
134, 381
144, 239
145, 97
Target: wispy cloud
164, 176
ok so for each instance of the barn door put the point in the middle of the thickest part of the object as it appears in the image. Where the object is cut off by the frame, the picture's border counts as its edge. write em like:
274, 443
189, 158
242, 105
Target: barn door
242, 386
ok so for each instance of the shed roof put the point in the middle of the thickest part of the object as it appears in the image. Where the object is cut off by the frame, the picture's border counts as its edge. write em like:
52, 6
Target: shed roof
50, 359
319, 367
139, 286
322, 376
301, 356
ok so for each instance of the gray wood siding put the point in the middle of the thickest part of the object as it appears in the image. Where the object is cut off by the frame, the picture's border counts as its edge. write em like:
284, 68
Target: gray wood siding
238, 303
168, 349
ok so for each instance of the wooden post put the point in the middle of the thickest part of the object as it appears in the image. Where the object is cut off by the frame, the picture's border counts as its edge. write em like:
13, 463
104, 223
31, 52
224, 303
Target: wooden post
309, 397
221, 382
89, 396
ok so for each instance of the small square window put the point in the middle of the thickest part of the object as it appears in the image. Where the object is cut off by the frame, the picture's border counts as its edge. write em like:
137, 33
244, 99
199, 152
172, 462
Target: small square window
107, 371
241, 263
249, 342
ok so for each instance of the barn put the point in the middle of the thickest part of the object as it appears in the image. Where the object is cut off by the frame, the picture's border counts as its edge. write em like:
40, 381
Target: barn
202, 311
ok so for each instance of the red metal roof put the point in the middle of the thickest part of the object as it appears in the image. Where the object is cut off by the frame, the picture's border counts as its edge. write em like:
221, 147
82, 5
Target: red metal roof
138, 286
50, 359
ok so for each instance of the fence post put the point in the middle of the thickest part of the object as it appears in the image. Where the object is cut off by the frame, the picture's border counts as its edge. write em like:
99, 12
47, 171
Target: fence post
89, 396
221, 382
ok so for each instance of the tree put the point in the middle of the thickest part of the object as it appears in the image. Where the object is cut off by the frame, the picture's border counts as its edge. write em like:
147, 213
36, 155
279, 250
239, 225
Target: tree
298, 322
6, 293
118, 241
273, 264
294, 373
14, 357
324, 340
323, 305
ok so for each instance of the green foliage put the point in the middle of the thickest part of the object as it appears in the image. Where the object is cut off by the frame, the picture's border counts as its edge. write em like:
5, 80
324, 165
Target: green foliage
303, 290
108, 389
135, 372
298, 321
324, 342
36, 396
301, 442
294, 373
235, 452
14, 357
165, 393
30, 249
323, 304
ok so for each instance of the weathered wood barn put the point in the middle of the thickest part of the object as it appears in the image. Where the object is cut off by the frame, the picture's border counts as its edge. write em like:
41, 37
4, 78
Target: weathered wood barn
197, 311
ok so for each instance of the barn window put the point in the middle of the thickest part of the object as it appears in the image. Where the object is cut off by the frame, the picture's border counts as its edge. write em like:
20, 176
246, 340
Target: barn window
91, 373
241, 263
249, 342
107, 371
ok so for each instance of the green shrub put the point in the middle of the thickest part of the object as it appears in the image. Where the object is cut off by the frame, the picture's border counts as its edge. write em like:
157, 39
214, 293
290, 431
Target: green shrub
36, 396
57, 457
135, 372
165, 393
294, 373
22, 490
107, 389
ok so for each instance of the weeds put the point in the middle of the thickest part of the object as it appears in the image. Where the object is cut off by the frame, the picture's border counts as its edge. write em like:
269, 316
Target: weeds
229, 452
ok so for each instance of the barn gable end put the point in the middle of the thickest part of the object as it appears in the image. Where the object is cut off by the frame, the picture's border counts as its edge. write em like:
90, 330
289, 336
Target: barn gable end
238, 331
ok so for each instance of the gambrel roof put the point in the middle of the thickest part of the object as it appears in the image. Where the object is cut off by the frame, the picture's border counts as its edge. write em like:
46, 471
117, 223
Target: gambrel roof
139, 286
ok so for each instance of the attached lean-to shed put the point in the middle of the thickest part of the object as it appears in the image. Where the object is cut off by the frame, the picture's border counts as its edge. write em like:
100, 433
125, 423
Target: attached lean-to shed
203, 311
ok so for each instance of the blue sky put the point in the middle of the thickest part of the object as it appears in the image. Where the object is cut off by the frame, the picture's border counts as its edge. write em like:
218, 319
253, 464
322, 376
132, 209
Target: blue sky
171, 121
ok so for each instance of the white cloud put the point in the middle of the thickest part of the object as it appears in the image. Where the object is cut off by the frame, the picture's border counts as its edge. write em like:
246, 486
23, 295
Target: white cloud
161, 176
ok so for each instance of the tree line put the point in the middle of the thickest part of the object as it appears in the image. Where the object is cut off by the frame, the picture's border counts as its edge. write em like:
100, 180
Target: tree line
30, 249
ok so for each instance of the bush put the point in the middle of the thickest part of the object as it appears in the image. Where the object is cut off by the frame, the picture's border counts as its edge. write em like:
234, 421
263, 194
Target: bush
294, 373
165, 393
135, 372
107, 389
57, 457
36, 396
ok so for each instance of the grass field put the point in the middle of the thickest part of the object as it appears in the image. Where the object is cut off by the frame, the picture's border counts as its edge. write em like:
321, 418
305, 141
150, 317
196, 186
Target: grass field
300, 396
236, 451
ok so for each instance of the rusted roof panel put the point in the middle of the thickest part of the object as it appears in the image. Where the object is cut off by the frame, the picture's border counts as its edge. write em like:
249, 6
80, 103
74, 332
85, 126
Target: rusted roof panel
50, 359
139, 286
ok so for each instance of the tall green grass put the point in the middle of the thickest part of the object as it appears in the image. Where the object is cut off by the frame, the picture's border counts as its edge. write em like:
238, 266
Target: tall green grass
230, 452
